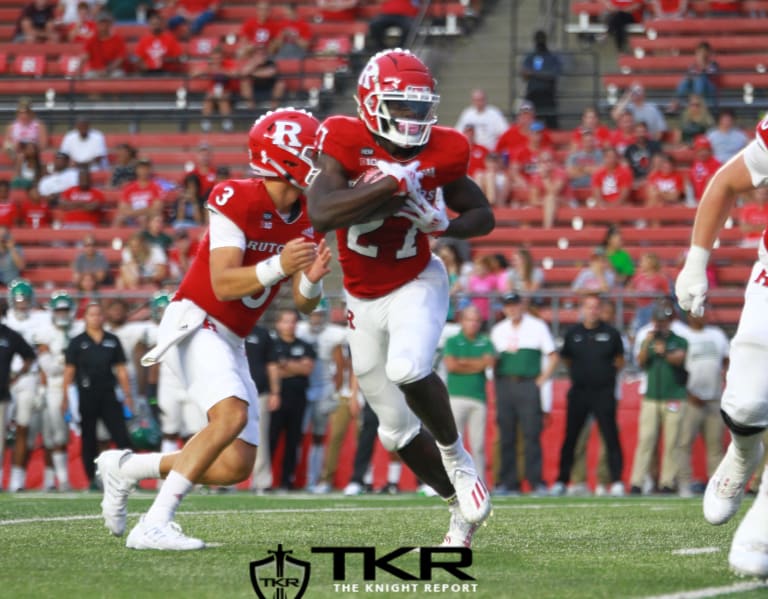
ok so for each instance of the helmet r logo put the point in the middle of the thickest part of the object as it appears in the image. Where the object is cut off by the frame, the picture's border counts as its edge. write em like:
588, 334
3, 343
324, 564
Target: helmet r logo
287, 134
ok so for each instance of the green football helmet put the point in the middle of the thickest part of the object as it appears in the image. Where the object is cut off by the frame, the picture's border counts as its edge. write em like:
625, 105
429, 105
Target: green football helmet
20, 294
62, 307
158, 304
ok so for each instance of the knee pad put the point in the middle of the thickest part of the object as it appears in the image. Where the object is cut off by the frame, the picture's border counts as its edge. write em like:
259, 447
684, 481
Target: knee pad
392, 440
401, 371
740, 429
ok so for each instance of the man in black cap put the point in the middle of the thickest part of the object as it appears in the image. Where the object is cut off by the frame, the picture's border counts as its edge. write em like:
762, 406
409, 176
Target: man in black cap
521, 341
662, 356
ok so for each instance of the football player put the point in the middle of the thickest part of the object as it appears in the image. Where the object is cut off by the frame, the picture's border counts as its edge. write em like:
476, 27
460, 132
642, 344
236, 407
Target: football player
26, 391
133, 335
52, 340
744, 403
259, 235
379, 186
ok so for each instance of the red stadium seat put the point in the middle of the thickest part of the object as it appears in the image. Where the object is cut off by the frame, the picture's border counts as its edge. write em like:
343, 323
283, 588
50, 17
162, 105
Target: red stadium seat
69, 66
29, 65
3, 63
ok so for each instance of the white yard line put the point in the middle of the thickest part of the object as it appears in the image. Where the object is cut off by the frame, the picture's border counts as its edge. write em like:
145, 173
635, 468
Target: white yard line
739, 587
695, 550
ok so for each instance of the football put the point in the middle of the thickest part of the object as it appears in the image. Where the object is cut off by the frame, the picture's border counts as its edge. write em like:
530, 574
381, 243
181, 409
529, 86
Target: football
385, 208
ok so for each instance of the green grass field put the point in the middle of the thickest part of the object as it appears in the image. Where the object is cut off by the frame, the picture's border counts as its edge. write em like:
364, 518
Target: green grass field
56, 546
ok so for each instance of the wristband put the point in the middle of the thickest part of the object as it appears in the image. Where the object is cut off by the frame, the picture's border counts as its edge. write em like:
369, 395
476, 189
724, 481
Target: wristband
309, 289
697, 257
269, 271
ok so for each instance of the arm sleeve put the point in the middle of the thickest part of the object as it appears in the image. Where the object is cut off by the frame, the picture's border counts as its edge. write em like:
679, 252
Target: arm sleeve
23, 348
224, 233
70, 353
119, 355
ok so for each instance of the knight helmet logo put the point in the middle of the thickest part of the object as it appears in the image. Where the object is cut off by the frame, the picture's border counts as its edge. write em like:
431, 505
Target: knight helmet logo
280, 576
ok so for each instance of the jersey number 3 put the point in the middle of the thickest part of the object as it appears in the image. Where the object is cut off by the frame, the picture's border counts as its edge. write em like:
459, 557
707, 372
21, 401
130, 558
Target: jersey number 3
407, 250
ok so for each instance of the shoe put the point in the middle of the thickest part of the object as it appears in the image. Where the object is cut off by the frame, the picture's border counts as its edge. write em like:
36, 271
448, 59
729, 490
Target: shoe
64, 488
667, 491
685, 492
165, 537
648, 485
427, 491
557, 489
749, 549
460, 532
617, 489
116, 490
353, 488
601, 490
389, 489
321, 489
635, 490
474, 498
725, 489
578, 490
504, 491
540, 490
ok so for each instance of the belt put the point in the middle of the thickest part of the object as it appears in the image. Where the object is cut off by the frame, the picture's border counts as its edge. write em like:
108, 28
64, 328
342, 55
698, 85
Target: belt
518, 379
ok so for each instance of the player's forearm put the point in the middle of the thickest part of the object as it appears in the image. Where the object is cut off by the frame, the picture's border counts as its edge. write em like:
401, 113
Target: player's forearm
471, 223
345, 207
236, 283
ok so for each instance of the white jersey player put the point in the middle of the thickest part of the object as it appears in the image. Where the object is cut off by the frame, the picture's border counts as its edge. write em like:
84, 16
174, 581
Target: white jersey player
132, 334
26, 391
744, 403
325, 381
52, 340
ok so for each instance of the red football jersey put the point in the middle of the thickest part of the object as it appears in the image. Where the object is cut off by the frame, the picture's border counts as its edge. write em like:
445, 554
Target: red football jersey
141, 197
611, 183
248, 205
379, 256
8, 214
83, 217
700, 173
156, 50
668, 183
477, 157
35, 214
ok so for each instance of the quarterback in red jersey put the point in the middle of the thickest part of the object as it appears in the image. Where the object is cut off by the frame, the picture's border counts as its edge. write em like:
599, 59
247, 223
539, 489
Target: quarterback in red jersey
744, 404
259, 235
383, 182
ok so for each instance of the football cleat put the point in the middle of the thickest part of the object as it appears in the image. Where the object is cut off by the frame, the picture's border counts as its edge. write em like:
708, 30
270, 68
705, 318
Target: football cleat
163, 537
116, 490
749, 549
725, 488
472, 495
460, 532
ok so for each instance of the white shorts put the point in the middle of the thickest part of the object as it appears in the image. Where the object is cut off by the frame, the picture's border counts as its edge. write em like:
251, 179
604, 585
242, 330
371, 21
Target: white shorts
745, 398
27, 395
211, 366
393, 341
55, 429
180, 414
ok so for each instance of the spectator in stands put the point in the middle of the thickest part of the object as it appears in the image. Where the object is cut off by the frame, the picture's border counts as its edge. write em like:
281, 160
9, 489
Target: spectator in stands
88, 290
696, 119
124, 169
34, 211
662, 356
612, 182
221, 74
60, 179
700, 79
518, 134
257, 30
338, 10
194, 15
665, 185
105, 54
549, 188
142, 264
28, 167
90, 261
541, 71
523, 344
619, 14
703, 167
619, 258
487, 120
82, 205
37, 23
154, 234
753, 217
524, 160
667, 9
85, 146
624, 134
494, 180
649, 282
83, 27
634, 101
590, 122
484, 282
596, 277
583, 160
259, 81
395, 14
9, 211
139, 199
477, 153
180, 254
639, 156
25, 128
158, 52
190, 203
11, 257
523, 277
453, 266
291, 36
726, 139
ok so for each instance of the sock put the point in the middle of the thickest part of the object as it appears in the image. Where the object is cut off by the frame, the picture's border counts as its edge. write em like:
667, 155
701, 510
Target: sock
454, 454
368, 476
61, 467
169, 446
139, 466
174, 489
393, 472
49, 478
17, 479
745, 446
315, 464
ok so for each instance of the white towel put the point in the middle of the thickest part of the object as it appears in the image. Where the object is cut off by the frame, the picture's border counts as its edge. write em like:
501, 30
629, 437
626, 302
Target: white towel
181, 318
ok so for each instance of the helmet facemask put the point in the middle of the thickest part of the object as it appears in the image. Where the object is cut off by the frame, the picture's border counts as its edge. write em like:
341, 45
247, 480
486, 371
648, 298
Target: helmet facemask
404, 118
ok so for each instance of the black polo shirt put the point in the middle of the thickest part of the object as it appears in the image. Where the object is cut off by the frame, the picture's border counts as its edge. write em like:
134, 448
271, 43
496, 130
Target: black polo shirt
94, 361
592, 354
260, 351
293, 387
11, 343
